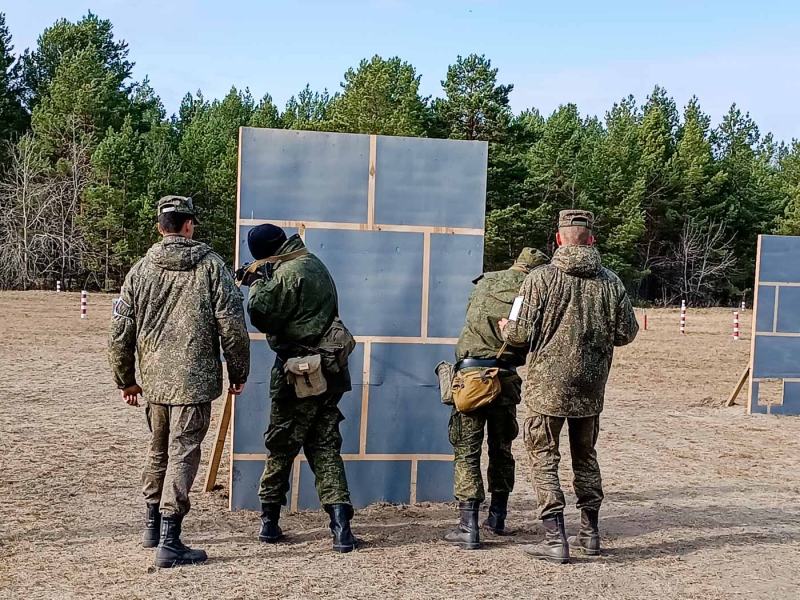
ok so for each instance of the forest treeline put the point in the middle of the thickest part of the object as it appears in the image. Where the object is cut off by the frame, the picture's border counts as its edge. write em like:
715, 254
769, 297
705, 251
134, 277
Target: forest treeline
87, 151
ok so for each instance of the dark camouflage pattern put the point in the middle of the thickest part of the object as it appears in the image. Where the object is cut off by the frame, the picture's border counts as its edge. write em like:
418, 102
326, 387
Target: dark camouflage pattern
573, 314
294, 309
541, 434
313, 425
490, 302
466, 432
174, 454
177, 304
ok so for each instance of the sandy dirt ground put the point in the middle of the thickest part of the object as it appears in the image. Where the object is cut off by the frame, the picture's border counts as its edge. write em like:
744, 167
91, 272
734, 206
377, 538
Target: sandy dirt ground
701, 501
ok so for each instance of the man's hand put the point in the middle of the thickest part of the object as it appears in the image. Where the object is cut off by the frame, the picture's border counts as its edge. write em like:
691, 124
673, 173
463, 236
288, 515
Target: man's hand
130, 394
502, 323
236, 389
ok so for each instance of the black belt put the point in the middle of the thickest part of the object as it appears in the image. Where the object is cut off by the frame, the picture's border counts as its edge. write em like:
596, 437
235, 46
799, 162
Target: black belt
467, 363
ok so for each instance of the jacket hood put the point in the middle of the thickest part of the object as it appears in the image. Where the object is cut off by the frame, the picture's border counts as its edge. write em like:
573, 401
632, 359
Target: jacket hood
579, 261
176, 253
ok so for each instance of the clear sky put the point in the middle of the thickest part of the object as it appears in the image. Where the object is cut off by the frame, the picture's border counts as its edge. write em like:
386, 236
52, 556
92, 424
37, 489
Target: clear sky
589, 52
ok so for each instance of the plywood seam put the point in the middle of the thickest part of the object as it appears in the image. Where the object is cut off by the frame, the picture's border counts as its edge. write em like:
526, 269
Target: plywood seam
426, 283
378, 339
779, 283
775, 310
373, 165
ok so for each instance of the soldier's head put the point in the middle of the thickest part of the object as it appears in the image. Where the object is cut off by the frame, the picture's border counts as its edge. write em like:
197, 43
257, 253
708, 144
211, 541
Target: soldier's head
575, 228
265, 240
176, 216
529, 259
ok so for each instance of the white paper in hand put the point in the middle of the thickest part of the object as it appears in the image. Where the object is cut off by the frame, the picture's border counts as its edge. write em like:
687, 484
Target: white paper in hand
515, 308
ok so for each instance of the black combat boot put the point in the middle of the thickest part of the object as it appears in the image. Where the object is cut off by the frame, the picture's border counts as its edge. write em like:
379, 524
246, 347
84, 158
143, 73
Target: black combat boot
498, 509
467, 534
588, 538
340, 514
171, 552
555, 547
270, 531
152, 527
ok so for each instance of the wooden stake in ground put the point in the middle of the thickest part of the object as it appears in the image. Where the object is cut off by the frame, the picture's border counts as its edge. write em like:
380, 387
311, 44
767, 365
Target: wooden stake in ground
738, 387
219, 444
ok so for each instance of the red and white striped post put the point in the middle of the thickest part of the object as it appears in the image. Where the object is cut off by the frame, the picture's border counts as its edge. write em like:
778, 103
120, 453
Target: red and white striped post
743, 306
644, 319
58, 286
683, 317
83, 304
736, 326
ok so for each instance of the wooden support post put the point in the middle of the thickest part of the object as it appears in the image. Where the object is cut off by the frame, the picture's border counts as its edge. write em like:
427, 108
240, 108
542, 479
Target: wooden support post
739, 386
219, 444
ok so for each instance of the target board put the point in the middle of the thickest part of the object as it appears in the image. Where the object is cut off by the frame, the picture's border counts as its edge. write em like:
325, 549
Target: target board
399, 222
775, 349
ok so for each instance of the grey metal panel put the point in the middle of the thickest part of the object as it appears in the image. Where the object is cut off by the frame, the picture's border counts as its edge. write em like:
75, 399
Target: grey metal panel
430, 182
379, 278
369, 481
779, 258
304, 176
251, 418
776, 357
788, 310
261, 360
455, 261
350, 428
791, 400
406, 414
246, 478
766, 308
244, 251
434, 481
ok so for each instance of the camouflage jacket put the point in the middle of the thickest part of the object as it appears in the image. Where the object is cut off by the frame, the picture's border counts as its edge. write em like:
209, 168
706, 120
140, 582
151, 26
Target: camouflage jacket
294, 308
574, 312
177, 304
490, 302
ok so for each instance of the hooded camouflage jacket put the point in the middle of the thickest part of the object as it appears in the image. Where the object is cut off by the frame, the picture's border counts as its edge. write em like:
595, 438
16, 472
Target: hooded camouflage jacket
294, 309
177, 303
574, 312
490, 302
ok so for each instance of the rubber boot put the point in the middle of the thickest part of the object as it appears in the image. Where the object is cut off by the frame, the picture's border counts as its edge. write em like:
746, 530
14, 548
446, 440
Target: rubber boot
343, 539
171, 552
555, 547
270, 530
498, 509
467, 534
152, 527
588, 538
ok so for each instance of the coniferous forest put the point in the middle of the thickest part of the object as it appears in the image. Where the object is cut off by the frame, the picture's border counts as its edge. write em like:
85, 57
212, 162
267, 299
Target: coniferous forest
86, 151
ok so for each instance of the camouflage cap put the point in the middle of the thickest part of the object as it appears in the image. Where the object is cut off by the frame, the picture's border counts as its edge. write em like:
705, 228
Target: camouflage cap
530, 258
575, 218
179, 204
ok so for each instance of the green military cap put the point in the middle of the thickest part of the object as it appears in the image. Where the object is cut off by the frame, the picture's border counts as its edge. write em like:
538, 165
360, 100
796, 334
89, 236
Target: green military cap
530, 258
576, 218
179, 204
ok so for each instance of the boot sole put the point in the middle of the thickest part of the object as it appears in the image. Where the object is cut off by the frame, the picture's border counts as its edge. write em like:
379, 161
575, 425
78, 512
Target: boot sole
150, 544
168, 564
269, 540
473, 546
344, 549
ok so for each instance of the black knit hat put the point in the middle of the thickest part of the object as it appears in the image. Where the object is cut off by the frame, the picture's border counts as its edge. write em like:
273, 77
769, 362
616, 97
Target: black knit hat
265, 240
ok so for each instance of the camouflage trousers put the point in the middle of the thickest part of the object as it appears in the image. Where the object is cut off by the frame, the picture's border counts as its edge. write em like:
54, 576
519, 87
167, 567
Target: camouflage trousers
466, 431
542, 435
174, 454
313, 425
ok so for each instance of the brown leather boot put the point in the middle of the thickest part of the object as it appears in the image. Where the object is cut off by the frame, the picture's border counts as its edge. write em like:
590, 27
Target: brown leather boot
555, 547
588, 538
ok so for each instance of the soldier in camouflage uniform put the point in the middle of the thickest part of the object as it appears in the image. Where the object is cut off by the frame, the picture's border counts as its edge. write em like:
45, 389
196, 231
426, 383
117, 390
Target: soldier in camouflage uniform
177, 305
574, 313
295, 303
478, 347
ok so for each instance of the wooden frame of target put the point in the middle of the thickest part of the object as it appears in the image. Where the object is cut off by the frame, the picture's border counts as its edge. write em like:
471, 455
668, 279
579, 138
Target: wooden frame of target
775, 344
399, 222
